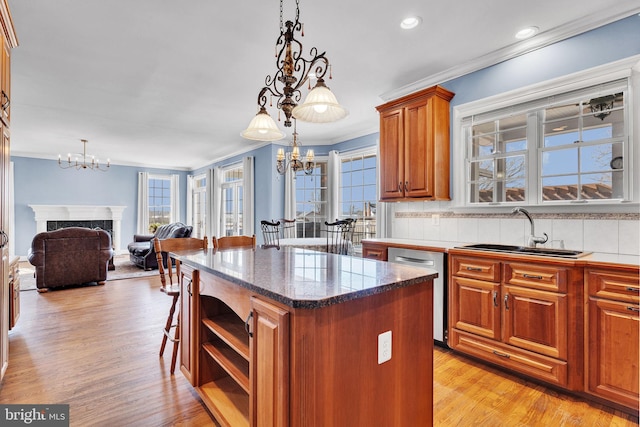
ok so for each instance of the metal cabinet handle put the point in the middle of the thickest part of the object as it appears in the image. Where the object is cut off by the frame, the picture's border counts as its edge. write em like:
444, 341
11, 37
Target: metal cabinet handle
406, 186
530, 276
4, 239
506, 302
495, 298
632, 289
400, 187
505, 355
636, 309
5, 105
247, 325
474, 268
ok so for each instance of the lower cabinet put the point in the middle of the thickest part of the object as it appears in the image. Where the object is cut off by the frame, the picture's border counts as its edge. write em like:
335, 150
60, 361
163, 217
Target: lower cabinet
373, 250
269, 375
517, 315
14, 292
613, 342
188, 302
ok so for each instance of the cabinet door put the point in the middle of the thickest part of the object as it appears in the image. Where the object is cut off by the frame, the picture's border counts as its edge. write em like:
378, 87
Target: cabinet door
613, 351
269, 374
5, 95
418, 150
188, 300
475, 306
392, 154
535, 320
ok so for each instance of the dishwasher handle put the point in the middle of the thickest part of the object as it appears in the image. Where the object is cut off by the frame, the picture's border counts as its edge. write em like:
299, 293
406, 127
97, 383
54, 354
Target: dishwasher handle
428, 262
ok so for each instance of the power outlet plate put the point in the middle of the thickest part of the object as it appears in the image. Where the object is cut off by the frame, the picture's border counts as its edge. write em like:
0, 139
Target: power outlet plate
384, 347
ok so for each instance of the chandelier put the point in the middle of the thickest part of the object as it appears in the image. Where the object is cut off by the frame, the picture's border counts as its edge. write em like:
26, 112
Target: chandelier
293, 157
84, 163
293, 71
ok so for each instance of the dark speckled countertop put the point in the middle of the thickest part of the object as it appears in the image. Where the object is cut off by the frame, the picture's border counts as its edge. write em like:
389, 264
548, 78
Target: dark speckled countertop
302, 278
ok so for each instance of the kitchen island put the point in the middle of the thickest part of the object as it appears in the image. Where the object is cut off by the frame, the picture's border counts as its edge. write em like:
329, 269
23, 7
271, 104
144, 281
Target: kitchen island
303, 338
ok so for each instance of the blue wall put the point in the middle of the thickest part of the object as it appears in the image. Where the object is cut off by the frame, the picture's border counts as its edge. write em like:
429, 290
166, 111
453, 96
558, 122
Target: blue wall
42, 182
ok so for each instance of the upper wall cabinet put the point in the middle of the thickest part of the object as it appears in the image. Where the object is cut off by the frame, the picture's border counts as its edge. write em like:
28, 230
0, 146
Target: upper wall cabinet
415, 146
9, 41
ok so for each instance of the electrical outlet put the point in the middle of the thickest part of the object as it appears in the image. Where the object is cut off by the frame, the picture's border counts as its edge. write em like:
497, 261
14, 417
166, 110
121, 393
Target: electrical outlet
435, 219
384, 347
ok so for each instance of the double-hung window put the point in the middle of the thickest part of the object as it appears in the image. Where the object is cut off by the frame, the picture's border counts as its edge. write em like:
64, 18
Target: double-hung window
566, 148
358, 192
159, 200
232, 201
311, 201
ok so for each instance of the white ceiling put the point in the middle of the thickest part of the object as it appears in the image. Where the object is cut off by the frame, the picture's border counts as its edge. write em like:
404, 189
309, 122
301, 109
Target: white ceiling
171, 83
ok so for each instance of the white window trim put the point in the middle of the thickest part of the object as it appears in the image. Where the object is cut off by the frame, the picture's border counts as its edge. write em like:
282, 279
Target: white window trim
625, 68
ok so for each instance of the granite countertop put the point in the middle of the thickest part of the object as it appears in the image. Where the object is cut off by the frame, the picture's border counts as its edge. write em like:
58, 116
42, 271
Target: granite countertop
302, 278
595, 259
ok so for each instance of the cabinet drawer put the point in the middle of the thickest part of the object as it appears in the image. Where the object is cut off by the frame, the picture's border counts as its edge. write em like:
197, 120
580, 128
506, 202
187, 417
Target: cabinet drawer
373, 251
476, 268
536, 276
545, 368
614, 285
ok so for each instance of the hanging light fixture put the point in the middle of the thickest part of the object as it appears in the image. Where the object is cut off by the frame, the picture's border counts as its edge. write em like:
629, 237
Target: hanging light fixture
83, 163
293, 72
292, 158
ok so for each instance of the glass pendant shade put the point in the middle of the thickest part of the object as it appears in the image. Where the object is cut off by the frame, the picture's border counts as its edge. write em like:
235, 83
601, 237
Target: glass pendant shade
320, 106
262, 128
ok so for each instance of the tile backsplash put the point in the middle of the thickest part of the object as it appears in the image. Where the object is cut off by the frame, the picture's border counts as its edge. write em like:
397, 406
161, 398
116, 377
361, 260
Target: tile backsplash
616, 233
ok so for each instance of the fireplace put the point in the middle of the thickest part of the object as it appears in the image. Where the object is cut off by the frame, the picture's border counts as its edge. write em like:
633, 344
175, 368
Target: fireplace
52, 217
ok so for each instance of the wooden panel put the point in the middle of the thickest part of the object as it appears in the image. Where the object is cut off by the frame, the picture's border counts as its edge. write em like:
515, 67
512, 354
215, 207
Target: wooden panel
536, 276
391, 150
188, 322
374, 251
335, 362
418, 150
475, 268
545, 368
269, 365
614, 355
535, 320
475, 306
614, 285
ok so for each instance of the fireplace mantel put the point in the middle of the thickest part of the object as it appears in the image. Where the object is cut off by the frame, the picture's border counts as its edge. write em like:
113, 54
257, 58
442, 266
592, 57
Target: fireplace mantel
44, 213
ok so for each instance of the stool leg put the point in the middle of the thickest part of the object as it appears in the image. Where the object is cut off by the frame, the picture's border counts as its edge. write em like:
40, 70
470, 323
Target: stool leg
167, 327
176, 343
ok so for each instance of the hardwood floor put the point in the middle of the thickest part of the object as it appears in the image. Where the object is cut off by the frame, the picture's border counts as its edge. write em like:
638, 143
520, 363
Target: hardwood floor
96, 348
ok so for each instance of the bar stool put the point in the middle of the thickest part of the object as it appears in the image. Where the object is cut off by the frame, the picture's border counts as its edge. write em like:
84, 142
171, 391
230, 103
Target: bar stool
173, 289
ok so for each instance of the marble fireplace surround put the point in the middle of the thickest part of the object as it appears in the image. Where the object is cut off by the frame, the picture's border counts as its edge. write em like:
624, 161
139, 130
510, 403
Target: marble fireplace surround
44, 213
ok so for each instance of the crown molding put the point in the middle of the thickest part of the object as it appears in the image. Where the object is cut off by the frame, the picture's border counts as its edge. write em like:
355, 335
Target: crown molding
549, 37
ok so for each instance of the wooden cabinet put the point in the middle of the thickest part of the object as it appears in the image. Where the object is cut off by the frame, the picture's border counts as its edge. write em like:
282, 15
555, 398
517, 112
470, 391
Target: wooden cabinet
377, 251
613, 330
517, 315
188, 306
269, 377
14, 292
8, 41
415, 146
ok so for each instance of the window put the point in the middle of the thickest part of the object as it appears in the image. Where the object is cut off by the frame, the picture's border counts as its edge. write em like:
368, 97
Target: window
232, 201
565, 148
358, 192
311, 201
199, 206
159, 195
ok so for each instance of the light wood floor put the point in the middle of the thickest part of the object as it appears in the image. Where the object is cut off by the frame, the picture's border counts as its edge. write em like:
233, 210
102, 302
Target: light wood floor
96, 348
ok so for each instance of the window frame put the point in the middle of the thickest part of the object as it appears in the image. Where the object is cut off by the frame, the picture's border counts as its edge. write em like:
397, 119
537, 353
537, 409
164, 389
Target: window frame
301, 230
628, 69
170, 180
236, 187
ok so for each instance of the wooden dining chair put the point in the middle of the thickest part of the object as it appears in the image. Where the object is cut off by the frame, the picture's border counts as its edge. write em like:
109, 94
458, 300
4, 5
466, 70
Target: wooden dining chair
231, 242
270, 234
339, 236
172, 288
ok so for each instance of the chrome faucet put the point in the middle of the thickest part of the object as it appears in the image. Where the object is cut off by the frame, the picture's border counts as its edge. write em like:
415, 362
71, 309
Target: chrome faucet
532, 240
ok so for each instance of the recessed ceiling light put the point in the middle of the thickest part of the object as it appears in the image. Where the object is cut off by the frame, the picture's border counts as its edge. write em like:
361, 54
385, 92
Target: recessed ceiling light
410, 22
525, 33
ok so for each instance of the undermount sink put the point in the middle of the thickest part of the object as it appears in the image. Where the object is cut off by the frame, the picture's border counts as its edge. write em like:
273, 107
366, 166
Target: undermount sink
563, 253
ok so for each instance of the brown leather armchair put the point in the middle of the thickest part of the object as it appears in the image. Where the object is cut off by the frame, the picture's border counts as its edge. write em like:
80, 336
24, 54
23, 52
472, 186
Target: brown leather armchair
70, 256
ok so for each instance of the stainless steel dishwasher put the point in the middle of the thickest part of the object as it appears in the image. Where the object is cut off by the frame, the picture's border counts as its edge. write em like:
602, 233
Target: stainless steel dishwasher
435, 261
